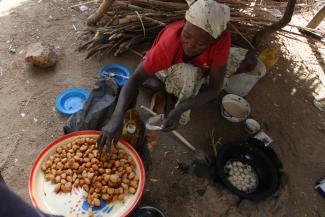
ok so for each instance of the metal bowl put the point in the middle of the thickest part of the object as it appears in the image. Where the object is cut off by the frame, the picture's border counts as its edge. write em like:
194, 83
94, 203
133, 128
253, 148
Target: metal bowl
234, 103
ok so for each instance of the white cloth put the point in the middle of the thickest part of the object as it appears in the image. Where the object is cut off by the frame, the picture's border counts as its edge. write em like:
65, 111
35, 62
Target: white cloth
183, 81
236, 56
209, 15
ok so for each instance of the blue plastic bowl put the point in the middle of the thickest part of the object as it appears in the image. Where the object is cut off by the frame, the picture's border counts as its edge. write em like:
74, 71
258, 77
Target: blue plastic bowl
71, 100
116, 69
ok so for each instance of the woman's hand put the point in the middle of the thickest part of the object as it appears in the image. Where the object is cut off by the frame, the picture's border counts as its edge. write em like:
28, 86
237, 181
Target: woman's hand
110, 134
172, 120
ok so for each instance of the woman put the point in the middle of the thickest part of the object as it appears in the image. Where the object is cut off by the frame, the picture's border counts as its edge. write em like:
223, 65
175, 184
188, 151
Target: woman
184, 56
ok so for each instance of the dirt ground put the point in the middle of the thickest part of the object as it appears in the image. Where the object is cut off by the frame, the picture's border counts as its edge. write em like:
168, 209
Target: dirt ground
282, 101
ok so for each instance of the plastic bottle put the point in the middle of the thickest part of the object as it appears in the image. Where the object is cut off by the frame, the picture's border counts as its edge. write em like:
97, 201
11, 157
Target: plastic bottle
132, 127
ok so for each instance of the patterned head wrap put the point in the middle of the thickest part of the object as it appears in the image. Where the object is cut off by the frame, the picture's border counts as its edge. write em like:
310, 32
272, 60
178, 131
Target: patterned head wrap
208, 15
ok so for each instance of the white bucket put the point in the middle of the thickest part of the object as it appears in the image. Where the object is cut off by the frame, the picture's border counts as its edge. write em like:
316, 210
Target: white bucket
234, 108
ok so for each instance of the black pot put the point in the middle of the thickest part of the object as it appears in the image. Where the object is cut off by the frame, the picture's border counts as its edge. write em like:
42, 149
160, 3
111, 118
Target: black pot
147, 211
263, 160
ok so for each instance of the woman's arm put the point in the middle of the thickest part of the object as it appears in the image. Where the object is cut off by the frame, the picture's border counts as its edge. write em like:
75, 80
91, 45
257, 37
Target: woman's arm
112, 130
205, 96
130, 91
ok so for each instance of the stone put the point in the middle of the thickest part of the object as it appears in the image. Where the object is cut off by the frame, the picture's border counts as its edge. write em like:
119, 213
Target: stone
233, 212
217, 203
41, 54
247, 207
275, 205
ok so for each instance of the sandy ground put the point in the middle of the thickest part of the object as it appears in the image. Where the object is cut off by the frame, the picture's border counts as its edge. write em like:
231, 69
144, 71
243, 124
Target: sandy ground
282, 101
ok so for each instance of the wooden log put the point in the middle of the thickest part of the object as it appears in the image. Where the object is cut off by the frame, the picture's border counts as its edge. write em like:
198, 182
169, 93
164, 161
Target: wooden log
154, 21
239, 33
103, 8
128, 5
260, 35
128, 19
317, 19
98, 49
308, 29
168, 5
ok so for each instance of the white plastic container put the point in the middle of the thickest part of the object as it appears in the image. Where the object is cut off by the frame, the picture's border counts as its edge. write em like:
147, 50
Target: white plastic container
242, 83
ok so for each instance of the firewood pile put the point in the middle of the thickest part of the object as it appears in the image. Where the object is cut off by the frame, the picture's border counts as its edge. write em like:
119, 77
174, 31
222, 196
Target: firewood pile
130, 23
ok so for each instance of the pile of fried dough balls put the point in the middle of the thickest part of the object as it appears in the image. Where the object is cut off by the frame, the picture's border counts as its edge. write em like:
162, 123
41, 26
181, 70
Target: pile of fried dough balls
77, 164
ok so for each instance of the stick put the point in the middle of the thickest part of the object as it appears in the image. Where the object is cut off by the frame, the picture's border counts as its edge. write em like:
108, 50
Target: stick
214, 143
308, 29
182, 139
286, 18
128, 5
297, 34
169, 5
135, 52
148, 110
155, 21
144, 29
250, 44
83, 3
177, 134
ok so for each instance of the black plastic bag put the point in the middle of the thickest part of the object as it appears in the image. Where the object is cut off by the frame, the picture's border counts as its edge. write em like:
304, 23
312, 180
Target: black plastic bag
97, 109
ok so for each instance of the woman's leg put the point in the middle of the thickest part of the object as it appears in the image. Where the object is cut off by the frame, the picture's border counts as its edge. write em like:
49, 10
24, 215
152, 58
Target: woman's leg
183, 81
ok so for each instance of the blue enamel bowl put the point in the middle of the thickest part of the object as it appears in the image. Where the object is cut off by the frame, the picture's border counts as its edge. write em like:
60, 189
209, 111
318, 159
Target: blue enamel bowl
116, 69
71, 100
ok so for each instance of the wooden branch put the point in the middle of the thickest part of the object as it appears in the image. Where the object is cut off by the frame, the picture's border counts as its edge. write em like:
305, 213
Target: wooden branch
128, 5
95, 50
285, 34
259, 36
317, 19
238, 32
103, 8
136, 52
154, 21
297, 34
308, 29
169, 5
128, 19
83, 3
